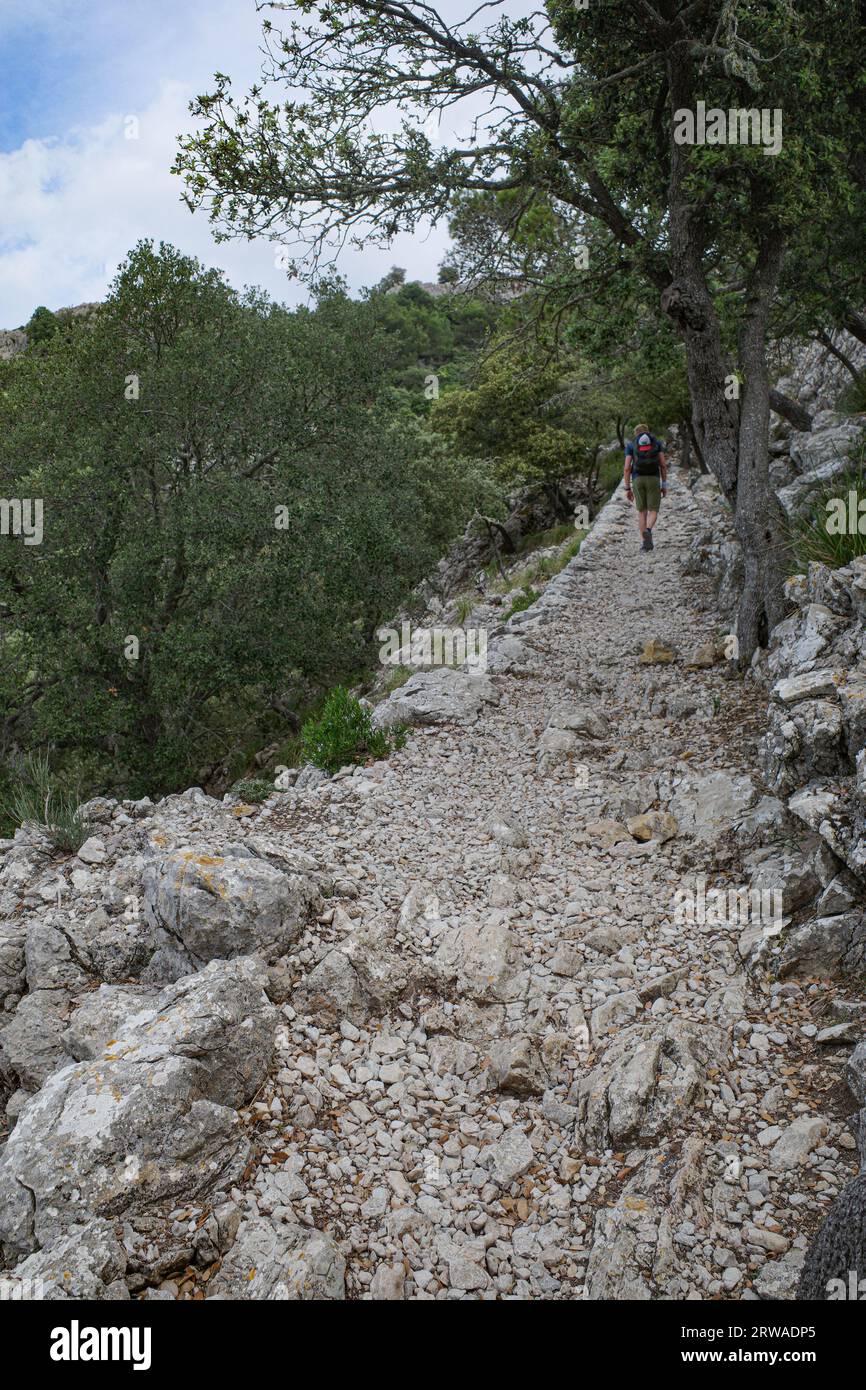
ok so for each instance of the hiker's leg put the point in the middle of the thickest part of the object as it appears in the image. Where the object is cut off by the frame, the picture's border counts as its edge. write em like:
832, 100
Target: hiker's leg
652, 501
640, 502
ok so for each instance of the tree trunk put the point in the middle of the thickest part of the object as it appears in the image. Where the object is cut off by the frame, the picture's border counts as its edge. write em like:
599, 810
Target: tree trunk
696, 445
685, 445
791, 411
758, 518
826, 341
736, 439
855, 324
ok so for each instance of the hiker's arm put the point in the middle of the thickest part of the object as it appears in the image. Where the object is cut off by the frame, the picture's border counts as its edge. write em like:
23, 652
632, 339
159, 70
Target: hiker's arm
627, 474
663, 469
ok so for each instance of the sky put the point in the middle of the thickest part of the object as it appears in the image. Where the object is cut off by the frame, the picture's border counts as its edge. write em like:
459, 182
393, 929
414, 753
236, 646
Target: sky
76, 193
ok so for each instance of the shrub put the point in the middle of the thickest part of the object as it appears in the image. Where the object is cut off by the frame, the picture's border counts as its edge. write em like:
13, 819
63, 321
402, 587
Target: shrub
809, 539
253, 790
526, 600
36, 799
345, 734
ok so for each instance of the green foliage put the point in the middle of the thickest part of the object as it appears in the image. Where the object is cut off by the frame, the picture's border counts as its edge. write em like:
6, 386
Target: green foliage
396, 677
344, 734
852, 400
35, 797
538, 540
526, 600
253, 790
42, 327
517, 413
813, 536
433, 342
168, 433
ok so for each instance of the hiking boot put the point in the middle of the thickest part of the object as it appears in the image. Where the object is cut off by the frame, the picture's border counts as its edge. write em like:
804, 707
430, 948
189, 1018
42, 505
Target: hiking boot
647, 540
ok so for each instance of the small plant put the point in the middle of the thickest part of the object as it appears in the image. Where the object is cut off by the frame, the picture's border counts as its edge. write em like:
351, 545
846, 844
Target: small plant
38, 800
397, 677
253, 790
464, 608
541, 540
810, 538
345, 734
526, 600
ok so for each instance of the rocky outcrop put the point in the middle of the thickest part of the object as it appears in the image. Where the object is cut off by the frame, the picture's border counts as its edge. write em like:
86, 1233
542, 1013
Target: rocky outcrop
152, 1119
437, 697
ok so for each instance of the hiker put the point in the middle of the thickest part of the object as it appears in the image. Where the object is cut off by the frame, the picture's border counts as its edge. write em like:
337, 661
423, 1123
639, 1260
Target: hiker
646, 479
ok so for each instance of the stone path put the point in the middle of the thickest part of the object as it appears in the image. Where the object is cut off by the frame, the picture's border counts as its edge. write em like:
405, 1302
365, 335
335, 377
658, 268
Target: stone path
517, 1052
595, 1100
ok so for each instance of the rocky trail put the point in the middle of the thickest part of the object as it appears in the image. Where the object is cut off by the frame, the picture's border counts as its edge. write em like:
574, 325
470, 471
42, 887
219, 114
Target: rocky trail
454, 1025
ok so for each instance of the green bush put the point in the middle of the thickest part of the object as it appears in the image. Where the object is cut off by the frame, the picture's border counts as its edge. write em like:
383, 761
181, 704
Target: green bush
526, 600
345, 734
42, 327
36, 799
253, 790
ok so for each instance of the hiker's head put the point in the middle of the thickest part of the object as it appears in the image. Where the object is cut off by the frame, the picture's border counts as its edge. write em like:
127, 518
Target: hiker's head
641, 429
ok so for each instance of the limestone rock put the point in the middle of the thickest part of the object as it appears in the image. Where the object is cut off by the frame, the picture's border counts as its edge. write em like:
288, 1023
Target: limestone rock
515, 1066
437, 697
644, 1081
707, 806
655, 653
653, 825
153, 1118
796, 1143
281, 1263
216, 906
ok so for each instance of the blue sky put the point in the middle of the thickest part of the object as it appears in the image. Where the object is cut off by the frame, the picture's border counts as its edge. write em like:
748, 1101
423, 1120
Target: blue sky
76, 194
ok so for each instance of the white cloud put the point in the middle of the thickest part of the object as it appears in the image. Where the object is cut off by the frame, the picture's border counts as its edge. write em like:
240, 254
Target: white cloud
73, 206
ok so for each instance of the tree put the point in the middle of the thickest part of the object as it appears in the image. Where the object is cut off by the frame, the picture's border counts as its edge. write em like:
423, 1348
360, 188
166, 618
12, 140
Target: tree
229, 513
537, 421
586, 112
42, 326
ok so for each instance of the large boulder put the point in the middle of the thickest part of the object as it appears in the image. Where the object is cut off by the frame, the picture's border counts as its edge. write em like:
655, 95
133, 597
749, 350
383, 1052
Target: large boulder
706, 806
822, 455
443, 696
647, 1079
85, 1262
152, 1119
216, 906
481, 962
31, 1043
802, 742
825, 946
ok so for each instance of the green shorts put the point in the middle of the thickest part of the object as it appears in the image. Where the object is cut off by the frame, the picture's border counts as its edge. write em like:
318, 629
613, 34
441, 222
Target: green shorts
647, 493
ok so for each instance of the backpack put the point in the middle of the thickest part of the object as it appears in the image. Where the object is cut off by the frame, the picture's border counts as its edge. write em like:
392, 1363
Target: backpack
645, 458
